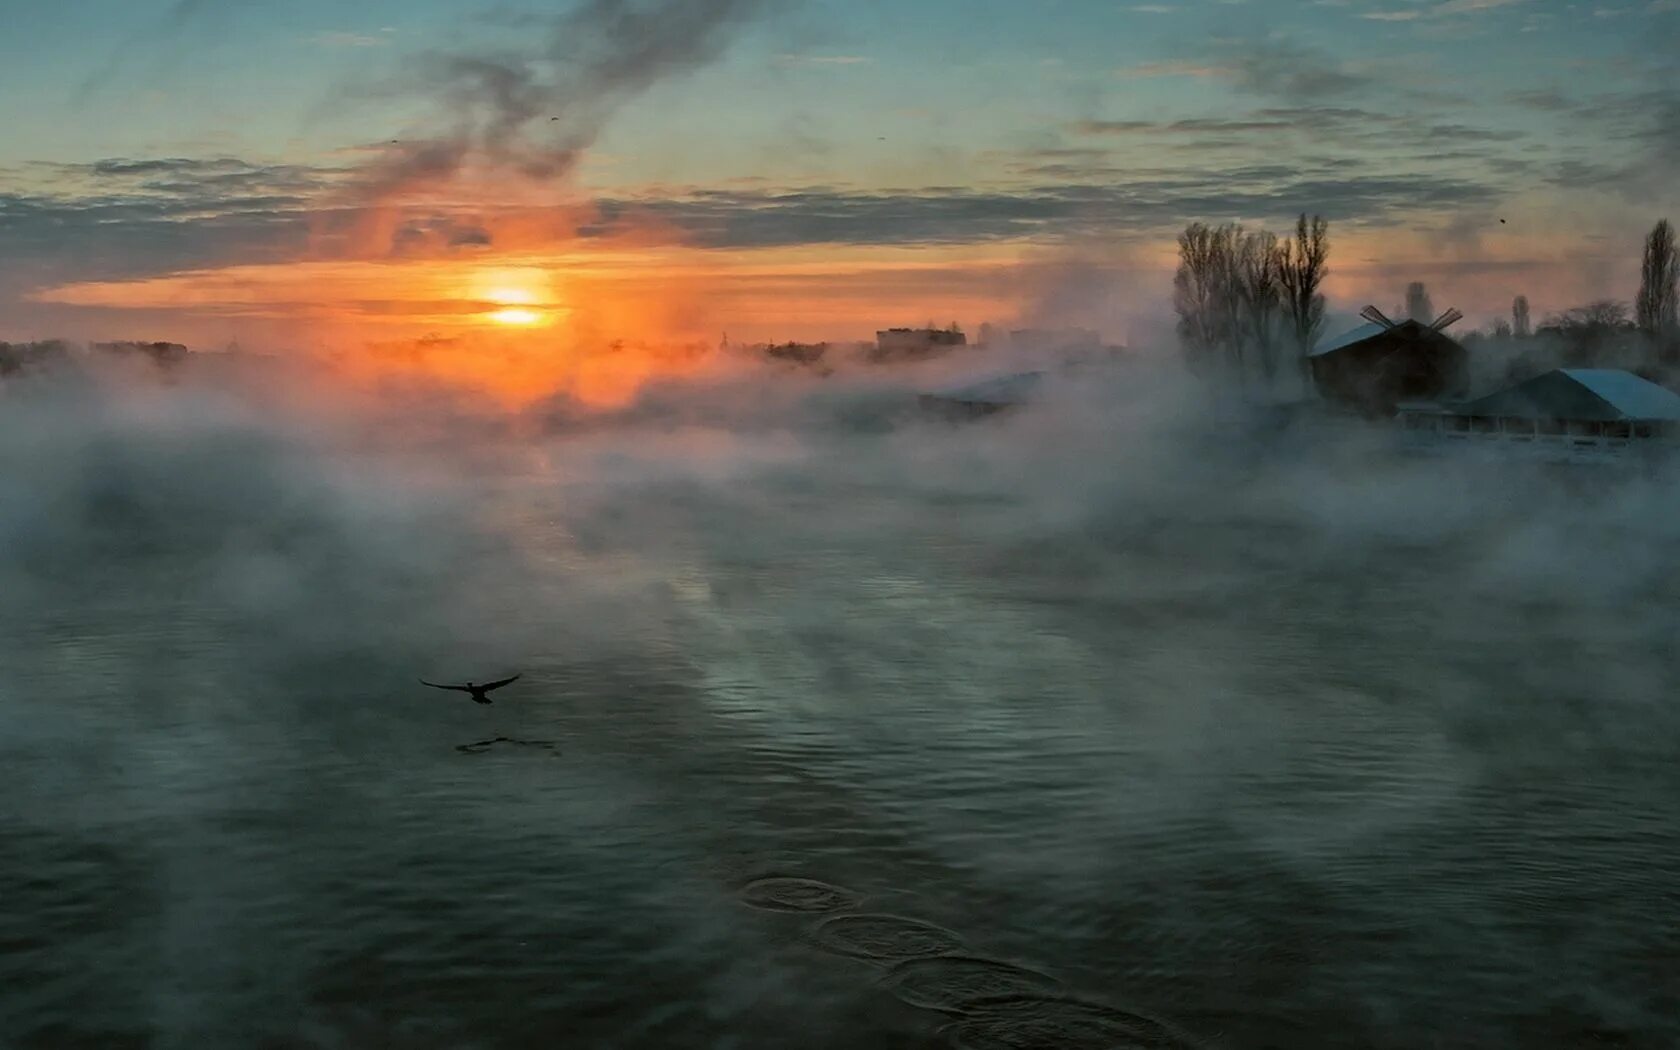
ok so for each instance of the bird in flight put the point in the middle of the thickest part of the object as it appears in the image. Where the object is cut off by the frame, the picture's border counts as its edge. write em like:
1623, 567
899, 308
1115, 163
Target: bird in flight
477, 692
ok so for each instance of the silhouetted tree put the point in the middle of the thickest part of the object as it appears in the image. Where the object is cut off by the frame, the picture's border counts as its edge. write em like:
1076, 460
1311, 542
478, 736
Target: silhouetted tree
1205, 291
1501, 329
1259, 270
1655, 310
1521, 326
1602, 313
1593, 334
1303, 264
1419, 307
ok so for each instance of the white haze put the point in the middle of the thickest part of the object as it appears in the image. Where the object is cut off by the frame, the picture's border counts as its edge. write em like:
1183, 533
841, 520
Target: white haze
1254, 594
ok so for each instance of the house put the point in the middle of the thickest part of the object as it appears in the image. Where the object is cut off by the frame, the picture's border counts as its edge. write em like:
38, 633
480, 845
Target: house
915, 344
1375, 367
1573, 412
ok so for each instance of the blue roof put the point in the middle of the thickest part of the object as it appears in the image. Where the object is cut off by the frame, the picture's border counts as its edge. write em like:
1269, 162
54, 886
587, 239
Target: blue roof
1357, 335
1633, 396
1607, 394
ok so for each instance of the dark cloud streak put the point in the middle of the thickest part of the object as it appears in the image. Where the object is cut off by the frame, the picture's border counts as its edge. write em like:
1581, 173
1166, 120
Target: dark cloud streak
537, 108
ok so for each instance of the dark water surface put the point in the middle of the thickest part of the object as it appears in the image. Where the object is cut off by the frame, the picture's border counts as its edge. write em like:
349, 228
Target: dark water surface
1263, 782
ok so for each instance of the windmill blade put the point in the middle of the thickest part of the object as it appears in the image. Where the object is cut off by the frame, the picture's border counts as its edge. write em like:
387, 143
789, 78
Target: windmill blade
1376, 317
1451, 317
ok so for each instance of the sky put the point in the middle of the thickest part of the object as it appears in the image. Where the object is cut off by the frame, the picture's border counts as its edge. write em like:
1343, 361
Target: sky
302, 173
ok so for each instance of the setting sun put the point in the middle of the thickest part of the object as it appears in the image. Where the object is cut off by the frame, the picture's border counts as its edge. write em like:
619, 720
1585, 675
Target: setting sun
517, 317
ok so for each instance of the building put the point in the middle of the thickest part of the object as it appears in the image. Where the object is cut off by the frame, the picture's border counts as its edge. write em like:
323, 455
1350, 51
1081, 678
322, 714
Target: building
1375, 367
1569, 413
915, 344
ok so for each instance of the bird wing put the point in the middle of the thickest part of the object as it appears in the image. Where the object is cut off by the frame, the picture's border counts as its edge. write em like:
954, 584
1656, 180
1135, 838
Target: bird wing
498, 685
451, 688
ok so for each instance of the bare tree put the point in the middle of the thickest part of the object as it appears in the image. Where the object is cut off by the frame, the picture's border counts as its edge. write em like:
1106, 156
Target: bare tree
1419, 307
1205, 292
1655, 310
1502, 329
1522, 326
1259, 271
1303, 264
1607, 314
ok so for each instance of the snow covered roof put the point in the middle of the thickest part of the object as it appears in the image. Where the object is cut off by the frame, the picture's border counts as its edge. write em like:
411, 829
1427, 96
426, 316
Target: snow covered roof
998, 390
1609, 394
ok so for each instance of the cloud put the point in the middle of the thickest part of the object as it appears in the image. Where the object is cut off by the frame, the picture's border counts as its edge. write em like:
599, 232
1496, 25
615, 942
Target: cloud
823, 60
1200, 126
1274, 68
1324, 125
340, 38
534, 108
1156, 70
1445, 9
1292, 72
1270, 68
747, 219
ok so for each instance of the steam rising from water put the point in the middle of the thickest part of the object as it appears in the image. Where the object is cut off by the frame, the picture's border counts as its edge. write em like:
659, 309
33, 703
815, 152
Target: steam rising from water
1262, 733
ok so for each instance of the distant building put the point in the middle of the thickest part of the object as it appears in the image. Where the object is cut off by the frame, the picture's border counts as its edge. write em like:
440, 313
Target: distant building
915, 344
1569, 413
1375, 367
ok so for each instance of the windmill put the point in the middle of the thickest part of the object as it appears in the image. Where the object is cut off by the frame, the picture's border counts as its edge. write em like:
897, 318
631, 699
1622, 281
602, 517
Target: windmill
1447, 319
1378, 318
1450, 317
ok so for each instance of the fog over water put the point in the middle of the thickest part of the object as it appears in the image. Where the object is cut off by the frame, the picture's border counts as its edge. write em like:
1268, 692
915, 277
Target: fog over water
1272, 738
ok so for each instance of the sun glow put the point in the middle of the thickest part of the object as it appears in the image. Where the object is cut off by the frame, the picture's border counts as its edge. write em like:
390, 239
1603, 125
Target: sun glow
517, 317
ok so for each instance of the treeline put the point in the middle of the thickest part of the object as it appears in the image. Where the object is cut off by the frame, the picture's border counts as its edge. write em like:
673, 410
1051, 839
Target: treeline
16, 358
1248, 301
1643, 336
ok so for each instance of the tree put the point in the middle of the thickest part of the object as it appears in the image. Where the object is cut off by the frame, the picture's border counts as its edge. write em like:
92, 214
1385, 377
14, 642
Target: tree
1419, 307
1259, 268
1521, 326
1655, 310
1606, 314
1591, 335
1302, 265
1205, 291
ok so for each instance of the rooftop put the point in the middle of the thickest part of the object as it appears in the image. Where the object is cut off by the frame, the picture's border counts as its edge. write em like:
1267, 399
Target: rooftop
1609, 394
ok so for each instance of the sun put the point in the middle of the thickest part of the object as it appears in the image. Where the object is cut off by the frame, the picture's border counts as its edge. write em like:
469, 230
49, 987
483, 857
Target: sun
516, 317
517, 304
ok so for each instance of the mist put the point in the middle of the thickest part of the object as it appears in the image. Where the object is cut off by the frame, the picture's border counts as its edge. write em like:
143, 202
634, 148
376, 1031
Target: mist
1268, 733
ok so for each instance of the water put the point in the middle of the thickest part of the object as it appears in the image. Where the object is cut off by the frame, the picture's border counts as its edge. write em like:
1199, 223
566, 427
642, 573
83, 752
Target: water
1330, 778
